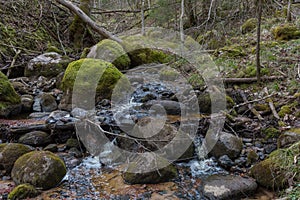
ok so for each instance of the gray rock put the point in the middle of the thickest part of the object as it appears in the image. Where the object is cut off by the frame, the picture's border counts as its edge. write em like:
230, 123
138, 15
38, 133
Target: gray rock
35, 138
39, 115
227, 144
288, 138
228, 187
171, 107
79, 113
58, 114
48, 64
225, 162
27, 102
48, 102
36, 107
51, 147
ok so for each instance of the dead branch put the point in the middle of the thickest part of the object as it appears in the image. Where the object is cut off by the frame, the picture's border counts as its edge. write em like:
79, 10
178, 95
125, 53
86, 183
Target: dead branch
251, 80
86, 19
271, 105
13, 62
253, 110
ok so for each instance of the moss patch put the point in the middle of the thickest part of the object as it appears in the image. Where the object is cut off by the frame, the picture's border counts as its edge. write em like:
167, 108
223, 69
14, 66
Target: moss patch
23, 191
286, 32
249, 25
271, 132
8, 94
232, 51
111, 51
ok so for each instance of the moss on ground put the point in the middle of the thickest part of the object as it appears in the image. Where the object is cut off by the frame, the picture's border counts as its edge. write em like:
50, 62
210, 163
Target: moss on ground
249, 25
286, 32
23, 191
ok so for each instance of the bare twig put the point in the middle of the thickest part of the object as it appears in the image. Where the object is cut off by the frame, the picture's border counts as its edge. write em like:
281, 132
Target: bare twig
271, 105
13, 62
253, 110
58, 35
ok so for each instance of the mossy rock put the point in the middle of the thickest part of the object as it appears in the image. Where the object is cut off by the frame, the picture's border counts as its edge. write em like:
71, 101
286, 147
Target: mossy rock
156, 176
41, 169
232, 51
111, 51
9, 153
211, 40
271, 132
286, 32
204, 102
288, 138
23, 191
275, 171
252, 157
9, 99
168, 75
90, 71
35, 138
72, 142
249, 25
48, 64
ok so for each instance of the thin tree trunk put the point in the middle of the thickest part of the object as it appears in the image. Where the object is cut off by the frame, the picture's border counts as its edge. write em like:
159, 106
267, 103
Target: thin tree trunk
143, 17
259, 12
181, 25
289, 14
88, 20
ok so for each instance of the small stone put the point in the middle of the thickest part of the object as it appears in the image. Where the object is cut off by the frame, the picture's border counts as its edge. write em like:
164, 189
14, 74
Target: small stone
51, 147
48, 102
225, 162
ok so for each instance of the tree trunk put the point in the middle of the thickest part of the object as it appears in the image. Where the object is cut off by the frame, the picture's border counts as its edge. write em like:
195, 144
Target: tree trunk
259, 12
190, 13
143, 17
289, 14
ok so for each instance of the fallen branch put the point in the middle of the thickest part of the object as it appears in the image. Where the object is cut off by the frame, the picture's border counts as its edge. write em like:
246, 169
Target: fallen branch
253, 110
251, 80
86, 19
271, 105
13, 62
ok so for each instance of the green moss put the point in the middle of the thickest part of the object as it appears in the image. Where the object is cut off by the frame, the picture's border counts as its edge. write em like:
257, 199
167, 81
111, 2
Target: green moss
262, 107
10, 153
85, 53
42, 169
249, 25
112, 51
23, 191
286, 32
232, 51
168, 75
252, 157
284, 110
8, 93
90, 71
229, 102
271, 132
72, 143
211, 40
196, 80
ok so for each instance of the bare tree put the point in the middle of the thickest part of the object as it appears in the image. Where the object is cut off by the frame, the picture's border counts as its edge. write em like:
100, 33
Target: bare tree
143, 17
259, 13
289, 14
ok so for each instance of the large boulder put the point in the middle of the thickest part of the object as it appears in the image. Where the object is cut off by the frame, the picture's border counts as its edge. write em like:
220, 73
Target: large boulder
9, 153
9, 99
228, 187
48, 64
281, 167
91, 70
227, 144
41, 169
110, 51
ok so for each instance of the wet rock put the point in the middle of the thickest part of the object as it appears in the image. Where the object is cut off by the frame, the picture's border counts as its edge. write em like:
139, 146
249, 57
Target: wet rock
139, 174
51, 147
10, 101
36, 107
227, 144
39, 168
39, 115
9, 153
228, 187
23, 191
48, 102
225, 162
171, 107
35, 138
48, 64
58, 114
27, 102
288, 138
270, 148
75, 152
